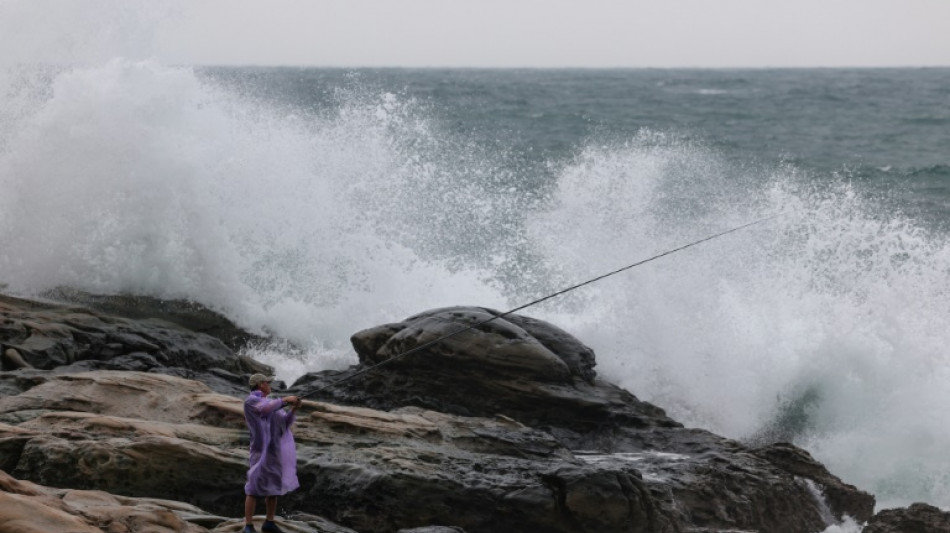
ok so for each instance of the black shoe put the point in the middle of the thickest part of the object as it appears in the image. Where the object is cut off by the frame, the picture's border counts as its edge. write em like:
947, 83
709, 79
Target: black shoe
249, 528
270, 527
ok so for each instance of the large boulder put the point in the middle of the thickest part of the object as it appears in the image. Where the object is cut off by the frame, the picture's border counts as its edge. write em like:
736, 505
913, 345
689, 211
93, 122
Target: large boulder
535, 373
516, 366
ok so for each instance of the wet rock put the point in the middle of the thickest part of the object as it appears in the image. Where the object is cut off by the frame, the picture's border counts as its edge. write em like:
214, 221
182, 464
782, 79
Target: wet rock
682, 477
65, 339
189, 315
505, 428
918, 518
515, 366
433, 529
12, 360
28, 507
149, 435
842, 498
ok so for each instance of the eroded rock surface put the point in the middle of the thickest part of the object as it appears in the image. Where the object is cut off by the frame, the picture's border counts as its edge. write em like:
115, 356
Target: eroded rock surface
918, 518
69, 339
505, 427
535, 373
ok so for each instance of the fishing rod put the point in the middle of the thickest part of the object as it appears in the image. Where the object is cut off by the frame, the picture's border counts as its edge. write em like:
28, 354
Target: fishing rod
535, 302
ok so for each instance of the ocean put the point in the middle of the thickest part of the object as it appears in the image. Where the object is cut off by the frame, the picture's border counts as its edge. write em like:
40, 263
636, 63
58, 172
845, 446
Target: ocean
307, 204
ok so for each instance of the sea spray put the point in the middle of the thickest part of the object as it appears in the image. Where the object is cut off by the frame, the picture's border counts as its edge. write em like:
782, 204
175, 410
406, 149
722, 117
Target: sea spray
139, 178
826, 327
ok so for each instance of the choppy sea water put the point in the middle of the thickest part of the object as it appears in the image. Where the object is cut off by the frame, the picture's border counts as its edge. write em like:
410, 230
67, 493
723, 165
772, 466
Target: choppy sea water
311, 203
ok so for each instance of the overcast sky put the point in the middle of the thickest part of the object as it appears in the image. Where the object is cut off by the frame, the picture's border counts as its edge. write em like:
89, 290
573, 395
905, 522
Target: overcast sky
565, 33
485, 33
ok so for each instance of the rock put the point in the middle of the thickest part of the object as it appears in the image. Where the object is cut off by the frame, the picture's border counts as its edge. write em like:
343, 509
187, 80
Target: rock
918, 518
27, 507
681, 477
31, 508
498, 347
189, 315
12, 360
526, 346
433, 529
842, 498
506, 428
537, 374
151, 443
148, 435
64, 339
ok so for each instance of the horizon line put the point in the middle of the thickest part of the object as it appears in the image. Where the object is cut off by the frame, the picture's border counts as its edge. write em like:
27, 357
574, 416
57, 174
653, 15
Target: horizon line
565, 67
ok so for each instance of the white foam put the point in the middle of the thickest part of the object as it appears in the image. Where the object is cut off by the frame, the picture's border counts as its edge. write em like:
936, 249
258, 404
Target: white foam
833, 298
125, 175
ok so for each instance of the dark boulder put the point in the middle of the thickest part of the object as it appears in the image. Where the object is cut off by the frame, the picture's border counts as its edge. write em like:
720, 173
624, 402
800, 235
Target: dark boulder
918, 518
532, 372
66, 339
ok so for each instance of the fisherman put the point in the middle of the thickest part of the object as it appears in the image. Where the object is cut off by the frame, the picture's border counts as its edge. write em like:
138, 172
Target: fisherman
272, 468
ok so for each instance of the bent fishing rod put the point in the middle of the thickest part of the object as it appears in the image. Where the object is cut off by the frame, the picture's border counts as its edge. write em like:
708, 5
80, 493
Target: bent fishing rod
535, 302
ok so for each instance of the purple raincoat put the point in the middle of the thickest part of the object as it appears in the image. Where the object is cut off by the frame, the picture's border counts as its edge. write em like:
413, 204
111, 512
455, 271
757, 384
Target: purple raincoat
273, 461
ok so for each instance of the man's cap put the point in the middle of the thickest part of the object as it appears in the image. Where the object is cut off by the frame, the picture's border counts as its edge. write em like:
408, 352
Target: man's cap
257, 379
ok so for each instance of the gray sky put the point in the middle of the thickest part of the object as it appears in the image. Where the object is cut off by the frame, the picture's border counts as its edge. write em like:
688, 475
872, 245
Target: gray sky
483, 33
565, 33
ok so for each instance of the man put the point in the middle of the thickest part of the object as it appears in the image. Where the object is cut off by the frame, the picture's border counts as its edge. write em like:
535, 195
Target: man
273, 460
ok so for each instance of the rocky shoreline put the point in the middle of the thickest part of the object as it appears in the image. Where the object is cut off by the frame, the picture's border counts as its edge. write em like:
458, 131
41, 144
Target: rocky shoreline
124, 415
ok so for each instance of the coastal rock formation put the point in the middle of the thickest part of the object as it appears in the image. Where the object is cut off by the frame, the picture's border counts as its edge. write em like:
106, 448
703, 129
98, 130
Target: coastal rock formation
143, 435
65, 339
918, 518
535, 373
26, 507
503, 427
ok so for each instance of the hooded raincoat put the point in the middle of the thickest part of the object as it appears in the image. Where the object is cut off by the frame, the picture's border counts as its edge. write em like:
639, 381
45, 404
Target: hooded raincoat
273, 460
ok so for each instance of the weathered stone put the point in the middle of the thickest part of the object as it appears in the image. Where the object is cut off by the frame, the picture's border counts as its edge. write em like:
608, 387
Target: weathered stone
496, 347
189, 315
843, 499
506, 428
433, 529
28, 507
159, 436
68, 339
12, 360
918, 518
688, 478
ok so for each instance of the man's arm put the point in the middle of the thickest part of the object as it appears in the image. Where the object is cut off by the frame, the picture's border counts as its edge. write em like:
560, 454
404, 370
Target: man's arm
264, 406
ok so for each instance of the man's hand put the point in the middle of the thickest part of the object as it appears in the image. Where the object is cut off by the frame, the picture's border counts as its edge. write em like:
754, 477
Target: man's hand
292, 400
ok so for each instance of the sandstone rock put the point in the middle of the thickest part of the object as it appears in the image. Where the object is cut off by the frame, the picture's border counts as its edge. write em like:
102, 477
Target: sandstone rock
28, 507
149, 435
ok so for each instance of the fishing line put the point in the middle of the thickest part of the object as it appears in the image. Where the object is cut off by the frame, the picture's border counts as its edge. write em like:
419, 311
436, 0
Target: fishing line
539, 300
